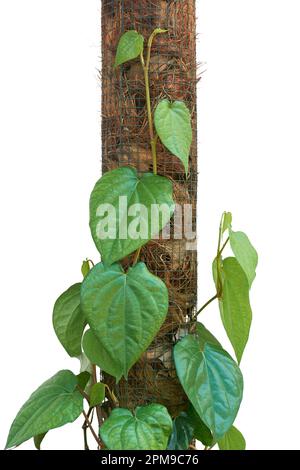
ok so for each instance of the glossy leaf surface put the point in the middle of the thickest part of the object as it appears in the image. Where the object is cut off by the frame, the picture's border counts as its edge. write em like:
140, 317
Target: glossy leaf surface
148, 428
55, 403
212, 382
123, 215
124, 311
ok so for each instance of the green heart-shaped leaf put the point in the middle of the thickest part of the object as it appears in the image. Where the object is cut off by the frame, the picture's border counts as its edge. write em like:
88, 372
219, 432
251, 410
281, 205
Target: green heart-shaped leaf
182, 433
212, 381
173, 126
130, 46
148, 429
245, 253
68, 320
141, 194
124, 310
235, 306
97, 354
55, 403
232, 440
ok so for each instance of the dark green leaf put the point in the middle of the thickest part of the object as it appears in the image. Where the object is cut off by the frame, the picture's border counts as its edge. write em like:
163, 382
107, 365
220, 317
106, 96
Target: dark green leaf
245, 253
173, 126
148, 429
130, 46
38, 440
55, 403
182, 433
212, 381
96, 353
68, 320
85, 268
232, 440
83, 379
235, 306
97, 394
201, 431
124, 310
125, 232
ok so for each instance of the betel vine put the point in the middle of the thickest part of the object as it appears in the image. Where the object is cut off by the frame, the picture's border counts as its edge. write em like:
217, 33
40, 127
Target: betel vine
111, 317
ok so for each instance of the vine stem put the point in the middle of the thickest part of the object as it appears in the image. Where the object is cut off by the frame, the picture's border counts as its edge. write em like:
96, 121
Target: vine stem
89, 424
149, 112
85, 427
218, 258
219, 283
85, 395
98, 409
153, 137
218, 294
112, 396
85, 440
220, 233
221, 250
206, 304
136, 256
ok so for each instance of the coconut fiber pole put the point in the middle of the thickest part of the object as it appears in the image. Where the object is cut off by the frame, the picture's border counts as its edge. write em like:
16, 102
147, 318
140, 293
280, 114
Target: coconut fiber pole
125, 142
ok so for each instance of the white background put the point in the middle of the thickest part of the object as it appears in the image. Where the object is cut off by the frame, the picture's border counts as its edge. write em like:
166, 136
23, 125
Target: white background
249, 150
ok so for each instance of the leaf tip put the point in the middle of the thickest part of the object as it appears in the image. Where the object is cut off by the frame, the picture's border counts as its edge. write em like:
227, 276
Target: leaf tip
9, 443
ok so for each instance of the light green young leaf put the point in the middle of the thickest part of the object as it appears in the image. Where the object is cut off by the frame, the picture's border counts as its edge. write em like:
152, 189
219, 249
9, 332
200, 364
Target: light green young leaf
85, 268
146, 191
173, 126
245, 253
212, 381
215, 271
86, 367
130, 46
159, 31
148, 429
69, 321
85, 364
98, 355
124, 310
182, 433
232, 440
227, 220
55, 403
97, 394
235, 306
